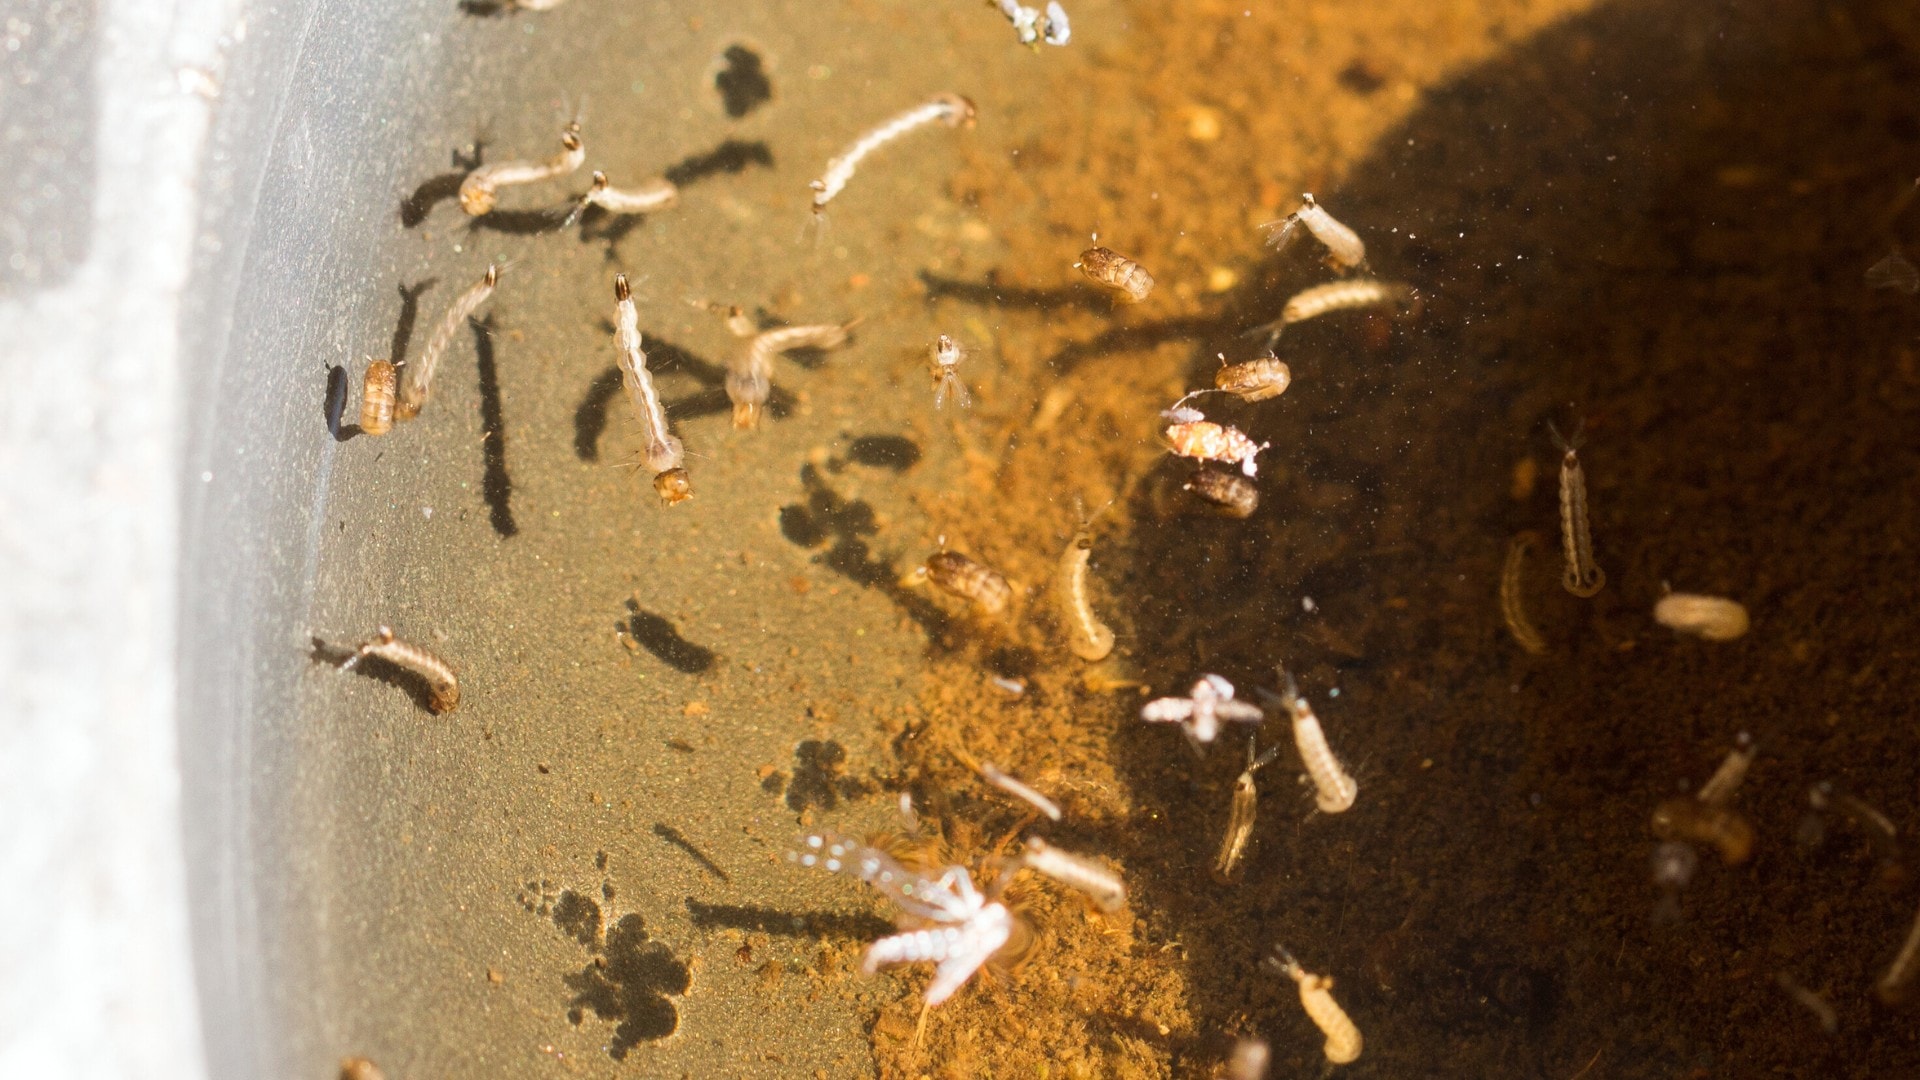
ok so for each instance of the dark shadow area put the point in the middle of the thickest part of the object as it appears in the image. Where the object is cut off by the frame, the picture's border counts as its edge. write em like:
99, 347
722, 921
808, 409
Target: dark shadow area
826, 516
597, 225
896, 452
743, 83
496, 486
438, 189
732, 157
375, 668
663, 356
990, 293
628, 980
1656, 216
674, 836
820, 924
533, 222
409, 315
590, 418
820, 776
333, 405
659, 637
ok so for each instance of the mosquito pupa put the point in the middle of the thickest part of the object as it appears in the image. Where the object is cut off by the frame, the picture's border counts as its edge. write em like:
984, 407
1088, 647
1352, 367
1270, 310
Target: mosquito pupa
663, 455
1345, 249
1894, 987
1246, 801
1231, 494
1334, 789
949, 109
1018, 790
377, 388
750, 376
1316, 997
1895, 272
944, 366
1512, 595
1116, 272
1582, 578
1088, 637
1100, 884
1250, 1059
1714, 618
481, 189
981, 585
1349, 295
658, 193
1254, 380
1205, 440
416, 376
443, 687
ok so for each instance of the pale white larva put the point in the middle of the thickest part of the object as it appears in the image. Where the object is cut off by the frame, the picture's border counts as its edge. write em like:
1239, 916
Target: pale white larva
1104, 886
1345, 249
1349, 295
480, 191
750, 375
1088, 637
416, 377
1334, 788
1343, 1043
1583, 576
663, 453
443, 686
949, 109
658, 193
1714, 618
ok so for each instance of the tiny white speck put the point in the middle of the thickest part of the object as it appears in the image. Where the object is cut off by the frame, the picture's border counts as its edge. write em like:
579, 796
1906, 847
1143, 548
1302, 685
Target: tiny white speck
206, 477
1333, 693
427, 512
1307, 604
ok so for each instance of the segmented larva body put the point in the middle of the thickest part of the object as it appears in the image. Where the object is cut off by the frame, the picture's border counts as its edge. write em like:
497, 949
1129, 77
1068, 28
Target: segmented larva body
1714, 618
1687, 818
1345, 249
1116, 272
1019, 790
1512, 596
1334, 789
1316, 997
481, 189
1088, 637
1894, 987
750, 378
1100, 884
960, 576
377, 389
1349, 295
664, 456
416, 377
1234, 495
1583, 577
1255, 380
658, 193
944, 366
1240, 817
1207, 441
949, 109
443, 686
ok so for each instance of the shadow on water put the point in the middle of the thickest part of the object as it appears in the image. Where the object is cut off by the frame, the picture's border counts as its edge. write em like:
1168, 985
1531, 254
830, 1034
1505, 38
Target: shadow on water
1656, 216
826, 516
496, 486
628, 979
659, 636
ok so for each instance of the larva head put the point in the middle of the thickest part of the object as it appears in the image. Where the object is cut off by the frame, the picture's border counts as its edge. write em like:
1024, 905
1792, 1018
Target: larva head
599, 180
673, 486
570, 138
621, 291
960, 110
477, 199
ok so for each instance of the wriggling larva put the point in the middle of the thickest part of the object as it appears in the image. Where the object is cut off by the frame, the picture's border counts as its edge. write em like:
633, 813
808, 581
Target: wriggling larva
1512, 596
481, 189
1334, 789
377, 390
1088, 637
1105, 888
750, 378
1582, 578
950, 109
1343, 1042
1334, 296
656, 194
443, 687
663, 455
416, 377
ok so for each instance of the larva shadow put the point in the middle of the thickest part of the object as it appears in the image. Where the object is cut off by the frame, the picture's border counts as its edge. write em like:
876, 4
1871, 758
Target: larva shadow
438, 189
826, 516
375, 668
1617, 217
659, 636
732, 157
496, 485
766, 920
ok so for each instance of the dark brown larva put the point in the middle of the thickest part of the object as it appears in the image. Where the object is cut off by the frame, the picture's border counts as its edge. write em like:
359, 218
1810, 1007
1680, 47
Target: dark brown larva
443, 686
970, 580
1116, 271
377, 390
1234, 495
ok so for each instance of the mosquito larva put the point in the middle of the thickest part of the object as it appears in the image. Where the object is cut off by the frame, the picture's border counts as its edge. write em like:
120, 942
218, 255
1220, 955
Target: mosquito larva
1823, 1012
1687, 818
1345, 249
1100, 884
481, 189
1334, 296
1714, 618
416, 377
1896, 272
1255, 380
1726, 780
658, 193
944, 366
1240, 817
1334, 789
1316, 997
1583, 578
971, 581
1116, 272
1192, 436
443, 687
663, 455
1233, 495
1018, 790
949, 109
1893, 987
377, 388
1512, 595
750, 377
1088, 637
